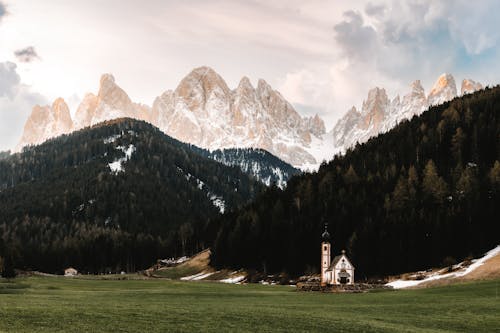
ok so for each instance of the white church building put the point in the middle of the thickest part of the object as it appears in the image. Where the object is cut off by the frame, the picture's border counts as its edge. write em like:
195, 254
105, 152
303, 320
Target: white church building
340, 270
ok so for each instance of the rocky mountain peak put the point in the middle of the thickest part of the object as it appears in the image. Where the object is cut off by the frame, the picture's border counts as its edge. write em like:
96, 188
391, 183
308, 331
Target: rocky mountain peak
245, 86
316, 125
417, 89
46, 122
377, 99
469, 86
62, 115
200, 84
111, 94
111, 102
263, 89
443, 90
374, 109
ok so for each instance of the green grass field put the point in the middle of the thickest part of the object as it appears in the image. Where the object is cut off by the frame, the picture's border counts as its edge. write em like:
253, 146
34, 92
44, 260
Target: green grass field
50, 304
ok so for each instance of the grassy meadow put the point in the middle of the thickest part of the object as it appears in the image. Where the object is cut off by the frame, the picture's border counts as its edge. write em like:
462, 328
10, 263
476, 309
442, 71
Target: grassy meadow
57, 304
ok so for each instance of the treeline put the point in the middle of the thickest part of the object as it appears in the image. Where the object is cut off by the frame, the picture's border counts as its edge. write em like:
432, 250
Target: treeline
61, 204
427, 190
259, 163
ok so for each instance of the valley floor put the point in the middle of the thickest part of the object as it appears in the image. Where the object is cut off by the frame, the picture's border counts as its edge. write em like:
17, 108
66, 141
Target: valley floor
57, 304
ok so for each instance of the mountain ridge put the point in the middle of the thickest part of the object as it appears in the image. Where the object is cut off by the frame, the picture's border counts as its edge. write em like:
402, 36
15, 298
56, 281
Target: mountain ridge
379, 113
202, 110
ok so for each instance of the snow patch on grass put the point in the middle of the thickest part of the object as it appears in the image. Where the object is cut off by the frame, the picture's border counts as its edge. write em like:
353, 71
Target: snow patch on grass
196, 277
235, 279
399, 284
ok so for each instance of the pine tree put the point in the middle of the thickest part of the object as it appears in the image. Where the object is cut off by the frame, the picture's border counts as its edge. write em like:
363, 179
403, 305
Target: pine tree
433, 185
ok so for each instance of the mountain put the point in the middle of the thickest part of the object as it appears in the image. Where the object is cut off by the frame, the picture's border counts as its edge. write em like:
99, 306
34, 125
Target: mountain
379, 114
423, 193
443, 90
469, 86
111, 102
203, 111
119, 195
258, 163
46, 122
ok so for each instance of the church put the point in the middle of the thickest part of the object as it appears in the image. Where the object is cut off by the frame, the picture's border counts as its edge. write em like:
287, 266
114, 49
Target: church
340, 270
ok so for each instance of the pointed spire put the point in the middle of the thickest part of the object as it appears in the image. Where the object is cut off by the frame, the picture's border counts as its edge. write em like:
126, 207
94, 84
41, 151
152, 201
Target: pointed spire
326, 235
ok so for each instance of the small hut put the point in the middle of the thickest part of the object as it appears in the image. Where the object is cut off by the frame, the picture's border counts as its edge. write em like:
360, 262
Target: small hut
70, 271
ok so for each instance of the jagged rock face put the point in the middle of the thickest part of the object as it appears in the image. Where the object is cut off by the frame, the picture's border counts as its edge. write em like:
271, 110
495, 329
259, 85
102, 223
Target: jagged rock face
443, 90
46, 122
379, 115
86, 110
111, 102
342, 131
374, 108
205, 112
413, 103
359, 126
469, 86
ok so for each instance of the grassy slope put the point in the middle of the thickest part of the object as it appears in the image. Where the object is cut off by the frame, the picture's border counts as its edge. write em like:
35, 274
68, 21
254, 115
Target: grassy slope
50, 304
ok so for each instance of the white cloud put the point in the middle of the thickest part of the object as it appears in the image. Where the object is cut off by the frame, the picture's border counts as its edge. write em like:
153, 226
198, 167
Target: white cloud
9, 79
3, 10
322, 55
16, 101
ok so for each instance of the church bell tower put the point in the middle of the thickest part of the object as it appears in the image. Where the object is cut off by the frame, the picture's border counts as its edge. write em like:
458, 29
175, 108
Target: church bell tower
325, 255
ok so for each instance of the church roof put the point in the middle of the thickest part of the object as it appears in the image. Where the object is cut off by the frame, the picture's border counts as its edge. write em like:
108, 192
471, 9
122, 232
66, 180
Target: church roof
336, 259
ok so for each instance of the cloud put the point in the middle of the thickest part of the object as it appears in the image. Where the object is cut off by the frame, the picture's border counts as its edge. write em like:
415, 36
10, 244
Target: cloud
376, 10
400, 41
3, 10
16, 102
9, 79
28, 54
356, 39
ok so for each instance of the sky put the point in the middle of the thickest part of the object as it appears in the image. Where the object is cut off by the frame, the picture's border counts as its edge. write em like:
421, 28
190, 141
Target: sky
323, 56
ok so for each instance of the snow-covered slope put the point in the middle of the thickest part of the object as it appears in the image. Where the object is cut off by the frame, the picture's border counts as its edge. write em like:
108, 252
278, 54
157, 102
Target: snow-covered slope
205, 112
379, 114
462, 270
469, 86
443, 90
259, 163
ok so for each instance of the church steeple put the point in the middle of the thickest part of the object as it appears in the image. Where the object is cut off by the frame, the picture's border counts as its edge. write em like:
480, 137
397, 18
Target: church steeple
325, 256
325, 236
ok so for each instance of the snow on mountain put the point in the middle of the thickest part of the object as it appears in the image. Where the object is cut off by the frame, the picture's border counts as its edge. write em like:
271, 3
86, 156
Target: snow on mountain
46, 122
469, 86
204, 111
262, 165
378, 114
443, 90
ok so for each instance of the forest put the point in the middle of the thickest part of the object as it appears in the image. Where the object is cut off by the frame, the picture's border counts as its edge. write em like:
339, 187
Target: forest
425, 193
61, 204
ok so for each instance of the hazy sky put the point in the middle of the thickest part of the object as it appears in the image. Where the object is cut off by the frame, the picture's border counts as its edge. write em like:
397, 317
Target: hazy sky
323, 56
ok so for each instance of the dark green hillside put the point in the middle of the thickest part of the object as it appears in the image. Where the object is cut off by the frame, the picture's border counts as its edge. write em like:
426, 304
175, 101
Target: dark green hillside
427, 190
61, 204
258, 163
